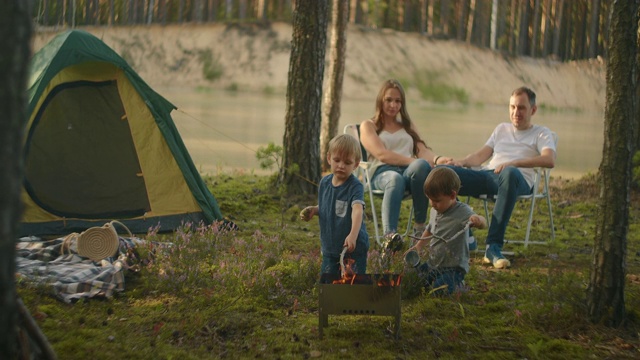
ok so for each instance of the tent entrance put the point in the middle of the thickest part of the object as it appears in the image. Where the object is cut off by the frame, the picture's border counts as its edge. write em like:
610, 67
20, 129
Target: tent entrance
85, 164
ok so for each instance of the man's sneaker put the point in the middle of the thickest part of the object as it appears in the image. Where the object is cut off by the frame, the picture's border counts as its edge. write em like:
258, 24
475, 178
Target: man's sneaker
393, 242
493, 255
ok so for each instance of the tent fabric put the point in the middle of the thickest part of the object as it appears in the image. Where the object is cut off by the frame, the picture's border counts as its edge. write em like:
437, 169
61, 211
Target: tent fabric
101, 145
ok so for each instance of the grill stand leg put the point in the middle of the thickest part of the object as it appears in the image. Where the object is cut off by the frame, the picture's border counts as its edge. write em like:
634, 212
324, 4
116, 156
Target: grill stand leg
323, 322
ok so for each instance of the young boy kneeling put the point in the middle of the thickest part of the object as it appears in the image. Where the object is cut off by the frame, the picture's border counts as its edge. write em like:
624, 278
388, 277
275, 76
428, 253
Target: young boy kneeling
448, 260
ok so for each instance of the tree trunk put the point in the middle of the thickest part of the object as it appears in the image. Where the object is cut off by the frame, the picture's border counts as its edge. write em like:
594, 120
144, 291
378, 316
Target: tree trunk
493, 42
242, 9
523, 32
605, 293
150, 12
512, 26
228, 9
594, 26
301, 159
472, 14
546, 30
430, 18
112, 13
461, 15
87, 12
337, 55
261, 8
444, 17
15, 39
558, 27
162, 11
535, 29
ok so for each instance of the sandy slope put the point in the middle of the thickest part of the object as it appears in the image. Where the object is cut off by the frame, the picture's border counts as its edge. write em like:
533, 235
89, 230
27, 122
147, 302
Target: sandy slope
256, 57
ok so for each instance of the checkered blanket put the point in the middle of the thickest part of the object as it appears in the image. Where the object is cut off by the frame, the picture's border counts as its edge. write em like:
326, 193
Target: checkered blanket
70, 276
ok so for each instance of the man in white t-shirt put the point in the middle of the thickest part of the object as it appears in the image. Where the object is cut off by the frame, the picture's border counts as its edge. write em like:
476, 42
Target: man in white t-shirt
514, 149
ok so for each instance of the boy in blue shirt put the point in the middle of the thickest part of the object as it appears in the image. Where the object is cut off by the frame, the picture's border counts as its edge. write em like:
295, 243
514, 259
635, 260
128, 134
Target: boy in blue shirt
341, 208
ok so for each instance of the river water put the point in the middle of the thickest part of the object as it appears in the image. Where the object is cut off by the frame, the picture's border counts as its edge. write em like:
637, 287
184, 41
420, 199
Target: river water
223, 130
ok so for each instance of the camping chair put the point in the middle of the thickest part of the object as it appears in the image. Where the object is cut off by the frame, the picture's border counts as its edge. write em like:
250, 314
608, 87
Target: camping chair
540, 191
363, 174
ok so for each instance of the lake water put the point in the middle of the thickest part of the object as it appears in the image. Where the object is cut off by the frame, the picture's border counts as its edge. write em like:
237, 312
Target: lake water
223, 130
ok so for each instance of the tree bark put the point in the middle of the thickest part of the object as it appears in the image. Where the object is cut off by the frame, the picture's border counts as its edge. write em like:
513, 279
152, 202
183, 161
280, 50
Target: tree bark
15, 39
535, 29
112, 14
605, 293
444, 17
472, 14
150, 12
337, 55
523, 23
594, 26
430, 18
546, 31
558, 27
512, 26
493, 42
301, 159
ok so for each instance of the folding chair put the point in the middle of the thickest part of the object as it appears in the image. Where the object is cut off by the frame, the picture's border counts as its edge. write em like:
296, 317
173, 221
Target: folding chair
365, 177
541, 177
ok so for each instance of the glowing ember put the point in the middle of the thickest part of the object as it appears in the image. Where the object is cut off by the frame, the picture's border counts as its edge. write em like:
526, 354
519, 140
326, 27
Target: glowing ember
390, 281
348, 275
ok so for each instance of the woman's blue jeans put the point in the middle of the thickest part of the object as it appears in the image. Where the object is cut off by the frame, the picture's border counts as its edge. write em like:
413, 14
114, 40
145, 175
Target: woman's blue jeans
395, 181
508, 185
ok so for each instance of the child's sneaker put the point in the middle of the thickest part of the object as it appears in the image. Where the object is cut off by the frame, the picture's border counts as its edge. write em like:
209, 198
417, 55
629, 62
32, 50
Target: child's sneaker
393, 242
472, 242
494, 256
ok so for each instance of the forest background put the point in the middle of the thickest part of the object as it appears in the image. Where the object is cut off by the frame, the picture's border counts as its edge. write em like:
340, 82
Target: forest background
247, 44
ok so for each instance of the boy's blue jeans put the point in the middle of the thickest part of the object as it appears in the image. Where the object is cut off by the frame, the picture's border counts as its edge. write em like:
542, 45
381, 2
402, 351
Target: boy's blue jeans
508, 185
435, 278
331, 264
395, 181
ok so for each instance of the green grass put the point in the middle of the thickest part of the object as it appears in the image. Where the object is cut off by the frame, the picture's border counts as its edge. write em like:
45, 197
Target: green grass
434, 88
252, 294
211, 68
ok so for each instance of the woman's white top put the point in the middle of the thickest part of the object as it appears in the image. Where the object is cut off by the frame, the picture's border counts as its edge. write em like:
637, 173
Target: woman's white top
399, 142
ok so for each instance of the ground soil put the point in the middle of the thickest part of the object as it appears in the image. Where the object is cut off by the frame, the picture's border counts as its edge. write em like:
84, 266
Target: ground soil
256, 57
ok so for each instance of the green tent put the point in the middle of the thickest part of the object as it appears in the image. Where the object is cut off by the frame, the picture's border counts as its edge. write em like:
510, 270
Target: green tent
101, 145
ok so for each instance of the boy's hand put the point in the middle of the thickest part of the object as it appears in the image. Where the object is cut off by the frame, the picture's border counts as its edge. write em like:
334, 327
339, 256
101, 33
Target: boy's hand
350, 243
307, 213
413, 248
478, 221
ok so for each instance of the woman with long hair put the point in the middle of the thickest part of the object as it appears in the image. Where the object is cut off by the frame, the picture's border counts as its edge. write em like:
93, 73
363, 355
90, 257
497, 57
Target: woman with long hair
400, 158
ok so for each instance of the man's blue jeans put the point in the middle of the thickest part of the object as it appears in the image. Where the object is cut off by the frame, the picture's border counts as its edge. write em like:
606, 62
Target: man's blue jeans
394, 181
508, 185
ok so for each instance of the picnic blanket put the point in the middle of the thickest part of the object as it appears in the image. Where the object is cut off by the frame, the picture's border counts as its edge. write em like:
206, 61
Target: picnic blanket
69, 275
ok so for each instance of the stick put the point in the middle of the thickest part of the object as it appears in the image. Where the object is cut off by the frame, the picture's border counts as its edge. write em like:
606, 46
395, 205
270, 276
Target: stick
34, 331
